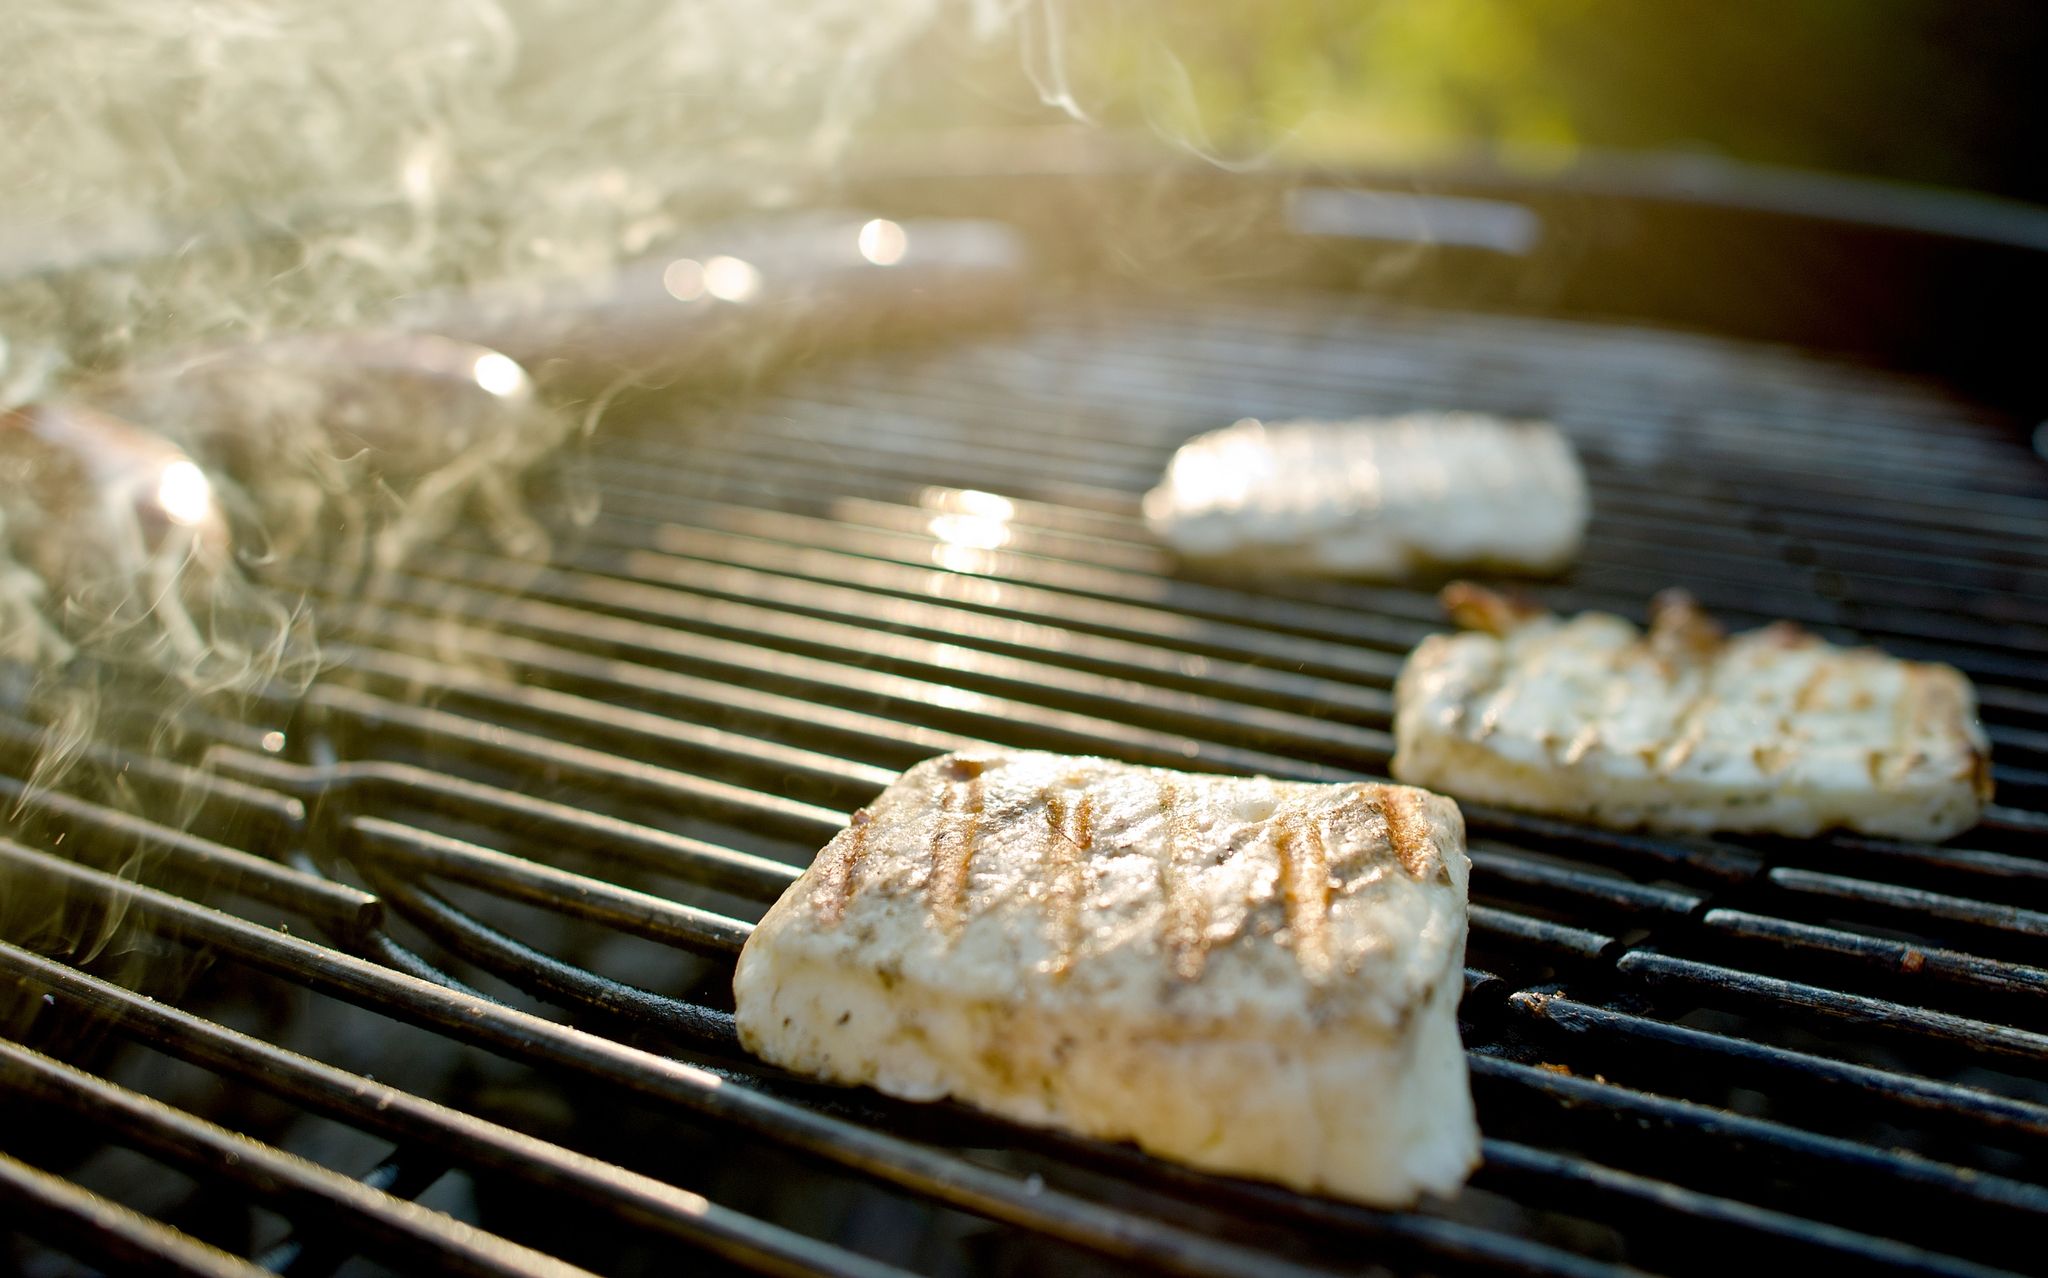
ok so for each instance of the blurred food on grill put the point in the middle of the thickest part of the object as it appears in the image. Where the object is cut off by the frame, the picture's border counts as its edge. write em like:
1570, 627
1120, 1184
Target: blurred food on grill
1247, 975
734, 300
347, 439
1378, 497
1686, 729
103, 527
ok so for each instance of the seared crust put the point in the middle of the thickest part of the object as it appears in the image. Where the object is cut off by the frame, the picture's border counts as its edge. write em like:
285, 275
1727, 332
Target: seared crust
1687, 728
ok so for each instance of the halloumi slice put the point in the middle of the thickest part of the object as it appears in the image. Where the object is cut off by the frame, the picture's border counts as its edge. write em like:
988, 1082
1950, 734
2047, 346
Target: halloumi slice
1685, 729
1249, 976
1378, 497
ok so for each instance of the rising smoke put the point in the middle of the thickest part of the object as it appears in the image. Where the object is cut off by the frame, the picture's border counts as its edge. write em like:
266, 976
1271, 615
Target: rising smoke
223, 186
229, 168
185, 180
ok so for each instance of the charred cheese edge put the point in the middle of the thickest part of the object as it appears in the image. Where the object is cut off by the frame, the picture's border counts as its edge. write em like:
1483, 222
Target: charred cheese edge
1245, 975
1686, 729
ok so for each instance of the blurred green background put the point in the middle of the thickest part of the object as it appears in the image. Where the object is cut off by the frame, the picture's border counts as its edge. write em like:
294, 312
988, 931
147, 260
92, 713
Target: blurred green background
1941, 93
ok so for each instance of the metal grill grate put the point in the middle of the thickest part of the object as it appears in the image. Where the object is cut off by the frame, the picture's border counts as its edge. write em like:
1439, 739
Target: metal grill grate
532, 809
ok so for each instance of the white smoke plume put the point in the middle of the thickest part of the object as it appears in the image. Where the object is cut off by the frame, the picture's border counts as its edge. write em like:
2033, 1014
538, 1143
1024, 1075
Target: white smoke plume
197, 176
225, 168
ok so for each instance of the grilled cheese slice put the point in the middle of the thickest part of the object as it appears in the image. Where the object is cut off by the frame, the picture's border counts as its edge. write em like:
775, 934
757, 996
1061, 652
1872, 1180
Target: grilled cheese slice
1245, 975
1377, 498
1685, 729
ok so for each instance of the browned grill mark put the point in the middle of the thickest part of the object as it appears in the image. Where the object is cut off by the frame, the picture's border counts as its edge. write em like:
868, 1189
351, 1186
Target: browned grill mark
1461, 599
1687, 730
1673, 757
1468, 719
837, 867
1305, 890
1980, 775
1906, 719
1070, 834
1498, 698
1474, 607
959, 828
1407, 829
1681, 633
1809, 692
1184, 926
1784, 634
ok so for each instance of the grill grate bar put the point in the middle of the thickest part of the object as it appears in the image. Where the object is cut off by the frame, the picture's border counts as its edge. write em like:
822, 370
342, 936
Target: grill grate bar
543, 976
1557, 939
148, 782
1892, 957
462, 1139
1106, 423
1832, 1178
2005, 920
1479, 920
1081, 597
1779, 1067
1373, 707
576, 895
366, 713
550, 666
952, 682
1338, 339
724, 469
344, 785
1110, 454
1193, 633
1624, 567
1729, 582
315, 1253
481, 695
767, 622
390, 1228
1837, 522
111, 1236
1505, 865
845, 583
1715, 859
1729, 986
180, 858
579, 896
1117, 468
922, 1170
1566, 1182
1066, 435
1200, 370
1490, 926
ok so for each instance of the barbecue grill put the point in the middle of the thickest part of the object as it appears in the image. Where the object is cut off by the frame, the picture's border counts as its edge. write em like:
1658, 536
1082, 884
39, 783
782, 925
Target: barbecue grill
427, 969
